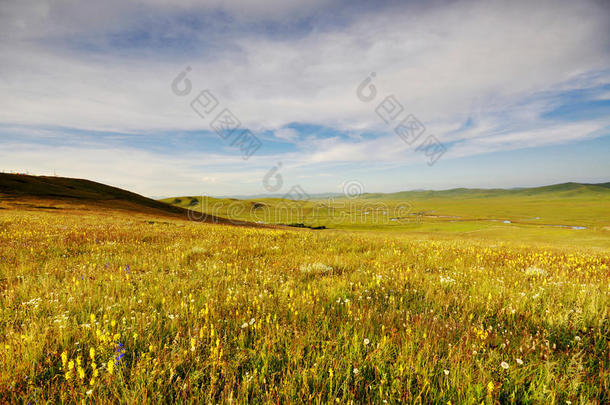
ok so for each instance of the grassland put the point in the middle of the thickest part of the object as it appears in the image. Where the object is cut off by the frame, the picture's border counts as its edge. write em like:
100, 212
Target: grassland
131, 308
536, 215
118, 299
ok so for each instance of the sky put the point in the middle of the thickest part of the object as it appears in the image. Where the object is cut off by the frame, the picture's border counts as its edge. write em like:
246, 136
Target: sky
169, 98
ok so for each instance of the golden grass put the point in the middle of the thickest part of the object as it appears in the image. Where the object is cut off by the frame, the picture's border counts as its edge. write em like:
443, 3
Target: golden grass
139, 309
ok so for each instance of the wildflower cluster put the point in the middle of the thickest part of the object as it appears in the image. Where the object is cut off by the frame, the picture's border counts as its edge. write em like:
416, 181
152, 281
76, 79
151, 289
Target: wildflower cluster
94, 305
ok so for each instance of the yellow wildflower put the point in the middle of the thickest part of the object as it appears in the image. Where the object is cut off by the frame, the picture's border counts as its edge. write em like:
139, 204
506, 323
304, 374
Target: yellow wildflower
64, 359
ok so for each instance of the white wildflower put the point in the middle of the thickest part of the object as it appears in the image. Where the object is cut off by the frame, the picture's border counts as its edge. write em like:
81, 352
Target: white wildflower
447, 280
316, 269
534, 271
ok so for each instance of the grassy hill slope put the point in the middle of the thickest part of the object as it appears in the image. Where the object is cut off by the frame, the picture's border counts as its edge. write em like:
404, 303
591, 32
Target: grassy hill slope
60, 193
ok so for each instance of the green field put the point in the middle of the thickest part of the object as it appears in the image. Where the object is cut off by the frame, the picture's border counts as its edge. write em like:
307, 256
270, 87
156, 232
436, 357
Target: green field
552, 214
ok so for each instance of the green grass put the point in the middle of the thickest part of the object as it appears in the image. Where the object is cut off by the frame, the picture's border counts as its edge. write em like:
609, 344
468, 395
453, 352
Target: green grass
535, 215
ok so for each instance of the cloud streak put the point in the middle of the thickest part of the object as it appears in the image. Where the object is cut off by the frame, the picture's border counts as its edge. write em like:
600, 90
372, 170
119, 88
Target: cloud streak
482, 76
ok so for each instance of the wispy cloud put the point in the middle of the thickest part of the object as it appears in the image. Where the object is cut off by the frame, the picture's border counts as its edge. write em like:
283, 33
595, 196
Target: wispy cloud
483, 76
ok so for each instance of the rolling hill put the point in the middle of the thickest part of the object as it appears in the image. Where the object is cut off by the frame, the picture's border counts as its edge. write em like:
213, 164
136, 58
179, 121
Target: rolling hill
533, 213
556, 190
60, 193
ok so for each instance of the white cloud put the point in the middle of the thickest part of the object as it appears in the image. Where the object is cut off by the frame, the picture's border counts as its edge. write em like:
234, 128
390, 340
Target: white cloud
492, 61
553, 135
603, 96
287, 134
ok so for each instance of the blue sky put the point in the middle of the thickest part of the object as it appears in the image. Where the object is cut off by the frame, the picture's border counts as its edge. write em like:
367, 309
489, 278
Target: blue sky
516, 92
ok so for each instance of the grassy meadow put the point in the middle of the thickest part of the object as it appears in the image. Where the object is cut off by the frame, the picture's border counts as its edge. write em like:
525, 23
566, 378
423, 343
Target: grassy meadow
115, 306
547, 215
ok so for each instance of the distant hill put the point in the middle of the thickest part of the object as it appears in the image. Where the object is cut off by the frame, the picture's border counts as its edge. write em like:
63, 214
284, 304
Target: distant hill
47, 192
314, 196
562, 190
569, 203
